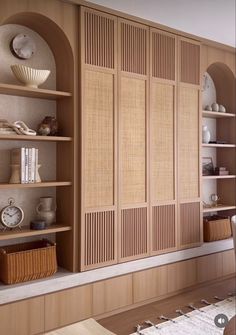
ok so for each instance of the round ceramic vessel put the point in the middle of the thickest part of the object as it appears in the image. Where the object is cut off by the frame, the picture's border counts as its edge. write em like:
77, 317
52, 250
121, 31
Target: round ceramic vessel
29, 76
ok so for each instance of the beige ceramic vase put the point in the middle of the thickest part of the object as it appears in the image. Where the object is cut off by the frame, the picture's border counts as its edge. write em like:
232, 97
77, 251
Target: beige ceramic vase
46, 210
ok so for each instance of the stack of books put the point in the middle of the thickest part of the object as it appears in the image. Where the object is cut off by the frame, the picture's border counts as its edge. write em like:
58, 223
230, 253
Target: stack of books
27, 159
221, 171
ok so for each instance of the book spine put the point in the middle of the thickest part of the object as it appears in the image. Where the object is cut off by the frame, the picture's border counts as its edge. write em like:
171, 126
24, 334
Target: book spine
36, 163
33, 165
26, 165
22, 165
30, 165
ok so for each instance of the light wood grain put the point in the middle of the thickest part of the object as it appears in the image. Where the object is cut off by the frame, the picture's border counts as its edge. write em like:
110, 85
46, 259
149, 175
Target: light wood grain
65, 307
35, 138
35, 185
22, 318
181, 275
112, 294
209, 267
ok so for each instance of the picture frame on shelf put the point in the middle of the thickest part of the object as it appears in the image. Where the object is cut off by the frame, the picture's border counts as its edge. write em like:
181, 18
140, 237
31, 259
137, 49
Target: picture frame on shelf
207, 166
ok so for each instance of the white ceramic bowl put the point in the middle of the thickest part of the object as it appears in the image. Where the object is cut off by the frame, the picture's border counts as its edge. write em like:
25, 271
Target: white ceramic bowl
28, 76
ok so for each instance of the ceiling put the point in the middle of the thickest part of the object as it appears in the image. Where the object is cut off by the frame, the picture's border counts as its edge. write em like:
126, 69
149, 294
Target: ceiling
212, 19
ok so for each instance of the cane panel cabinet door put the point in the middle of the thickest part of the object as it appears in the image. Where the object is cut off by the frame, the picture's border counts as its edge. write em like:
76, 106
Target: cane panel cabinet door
133, 104
163, 83
190, 227
98, 119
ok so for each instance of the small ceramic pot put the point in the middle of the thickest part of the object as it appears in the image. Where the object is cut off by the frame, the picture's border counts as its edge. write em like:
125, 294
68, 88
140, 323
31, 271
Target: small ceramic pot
206, 135
215, 107
222, 109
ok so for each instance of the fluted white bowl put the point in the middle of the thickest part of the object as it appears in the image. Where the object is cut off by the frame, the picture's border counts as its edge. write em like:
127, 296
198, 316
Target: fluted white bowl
28, 76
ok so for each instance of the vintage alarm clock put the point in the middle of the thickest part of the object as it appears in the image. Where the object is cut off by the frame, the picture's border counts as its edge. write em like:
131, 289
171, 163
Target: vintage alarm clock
11, 216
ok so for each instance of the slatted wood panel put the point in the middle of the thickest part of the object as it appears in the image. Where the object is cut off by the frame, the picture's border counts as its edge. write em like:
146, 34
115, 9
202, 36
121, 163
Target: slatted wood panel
189, 62
133, 140
163, 227
189, 223
99, 40
188, 133
162, 142
99, 237
133, 232
99, 139
133, 48
163, 56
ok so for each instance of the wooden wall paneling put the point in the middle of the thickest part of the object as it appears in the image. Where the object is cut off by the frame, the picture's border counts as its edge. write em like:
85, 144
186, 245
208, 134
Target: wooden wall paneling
133, 147
181, 275
228, 262
149, 284
22, 318
112, 294
99, 139
163, 234
189, 61
190, 228
68, 306
209, 267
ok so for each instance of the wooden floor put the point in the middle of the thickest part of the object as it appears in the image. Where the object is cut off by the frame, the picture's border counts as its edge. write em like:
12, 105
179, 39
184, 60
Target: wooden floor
123, 323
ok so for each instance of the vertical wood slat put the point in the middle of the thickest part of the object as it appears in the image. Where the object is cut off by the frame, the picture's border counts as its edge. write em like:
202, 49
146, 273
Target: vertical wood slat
163, 55
189, 223
133, 232
99, 40
99, 237
189, 62
133, 48
163, 227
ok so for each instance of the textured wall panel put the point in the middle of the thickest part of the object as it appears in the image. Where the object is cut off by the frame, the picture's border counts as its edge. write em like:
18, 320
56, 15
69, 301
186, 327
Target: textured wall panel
162, 142
133, 49
189, 62
99, 139
99, 40
133, 140
188, 133
163, 56
133, 232
163, 227
99, 237
189, 223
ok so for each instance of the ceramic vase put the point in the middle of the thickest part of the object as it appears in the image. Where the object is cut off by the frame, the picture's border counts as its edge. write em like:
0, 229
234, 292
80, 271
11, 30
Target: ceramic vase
46, 210
206, 136
15, 174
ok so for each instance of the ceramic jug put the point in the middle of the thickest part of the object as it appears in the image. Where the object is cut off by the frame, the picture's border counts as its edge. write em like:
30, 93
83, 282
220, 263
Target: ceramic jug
46, 210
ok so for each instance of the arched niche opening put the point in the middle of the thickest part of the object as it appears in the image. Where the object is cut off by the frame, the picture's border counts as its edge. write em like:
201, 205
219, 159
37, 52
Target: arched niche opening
63, 54
57, 41
224, 81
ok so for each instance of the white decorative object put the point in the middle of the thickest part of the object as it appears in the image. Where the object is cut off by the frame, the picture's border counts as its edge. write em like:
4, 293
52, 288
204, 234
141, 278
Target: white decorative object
46, 210
215, 107
208, 90
206, 136
208, 108
222, 109
29, 76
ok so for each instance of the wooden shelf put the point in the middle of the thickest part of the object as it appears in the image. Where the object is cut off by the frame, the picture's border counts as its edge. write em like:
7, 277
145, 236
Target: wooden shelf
35, 185
214, 145
35, 138
219, 177
218, 208
216, 115
29, 92
26, 232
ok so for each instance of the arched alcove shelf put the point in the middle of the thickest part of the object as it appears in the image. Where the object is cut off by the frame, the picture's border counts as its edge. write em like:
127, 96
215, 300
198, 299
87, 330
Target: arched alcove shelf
222, 128
64, 149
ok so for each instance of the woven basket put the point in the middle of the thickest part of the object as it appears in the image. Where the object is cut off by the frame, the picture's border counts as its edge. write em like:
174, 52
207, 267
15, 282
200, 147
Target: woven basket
27, 261
216, 228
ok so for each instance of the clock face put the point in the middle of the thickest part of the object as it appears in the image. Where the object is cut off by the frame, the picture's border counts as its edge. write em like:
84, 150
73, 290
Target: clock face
12, 216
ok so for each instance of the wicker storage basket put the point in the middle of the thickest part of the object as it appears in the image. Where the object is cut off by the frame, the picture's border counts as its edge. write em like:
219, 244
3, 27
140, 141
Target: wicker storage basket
27, 261
216, 227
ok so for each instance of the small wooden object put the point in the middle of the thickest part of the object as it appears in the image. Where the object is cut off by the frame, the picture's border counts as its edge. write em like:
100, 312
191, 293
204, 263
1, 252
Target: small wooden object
27, 261
216, 228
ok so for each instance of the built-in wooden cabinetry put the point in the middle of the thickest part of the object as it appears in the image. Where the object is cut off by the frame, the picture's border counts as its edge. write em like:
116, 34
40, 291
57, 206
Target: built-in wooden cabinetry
140, 134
